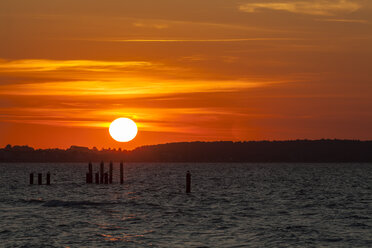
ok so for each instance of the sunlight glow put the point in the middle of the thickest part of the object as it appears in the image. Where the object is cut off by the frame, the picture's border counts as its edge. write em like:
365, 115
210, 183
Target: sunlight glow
123, 129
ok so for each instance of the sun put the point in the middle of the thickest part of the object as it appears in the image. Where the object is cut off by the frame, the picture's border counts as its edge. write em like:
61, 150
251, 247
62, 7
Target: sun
123, 129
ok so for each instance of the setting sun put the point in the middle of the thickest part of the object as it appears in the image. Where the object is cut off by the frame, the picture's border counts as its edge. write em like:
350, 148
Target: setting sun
123, 129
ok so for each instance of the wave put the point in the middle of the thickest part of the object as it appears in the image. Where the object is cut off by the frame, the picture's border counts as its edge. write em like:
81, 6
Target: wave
32, 201
58, 203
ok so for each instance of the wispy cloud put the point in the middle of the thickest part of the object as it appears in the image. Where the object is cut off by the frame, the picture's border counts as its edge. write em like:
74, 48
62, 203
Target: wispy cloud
344, 20
205, 40
57, 92
108, 78
126, 87
54, 65
151, 25
310, 7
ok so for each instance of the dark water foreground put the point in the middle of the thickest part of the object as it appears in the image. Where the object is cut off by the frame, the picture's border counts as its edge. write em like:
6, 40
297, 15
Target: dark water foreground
231, 205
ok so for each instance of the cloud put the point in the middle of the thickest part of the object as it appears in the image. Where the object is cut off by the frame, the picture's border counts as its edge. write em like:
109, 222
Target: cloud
344, 20
310, 7
126, 87
43, 65
150, 25
205, 40
90, 93
130, 78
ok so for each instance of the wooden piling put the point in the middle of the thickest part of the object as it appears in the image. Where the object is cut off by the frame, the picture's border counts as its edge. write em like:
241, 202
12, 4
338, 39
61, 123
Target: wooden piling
31, 178
110, 172
48, 178
101, 172
188, 182
40, 178
90, 167
97, 177
106, 178
90, 172
121, 172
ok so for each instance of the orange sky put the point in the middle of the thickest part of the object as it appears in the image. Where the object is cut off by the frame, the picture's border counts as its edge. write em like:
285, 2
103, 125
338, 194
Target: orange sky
184, 70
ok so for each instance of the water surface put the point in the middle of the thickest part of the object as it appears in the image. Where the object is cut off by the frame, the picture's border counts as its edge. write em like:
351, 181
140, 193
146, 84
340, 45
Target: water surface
231, 205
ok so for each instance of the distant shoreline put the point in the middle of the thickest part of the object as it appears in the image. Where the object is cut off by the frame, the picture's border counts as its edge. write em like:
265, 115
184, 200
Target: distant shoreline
293, 151
200, 163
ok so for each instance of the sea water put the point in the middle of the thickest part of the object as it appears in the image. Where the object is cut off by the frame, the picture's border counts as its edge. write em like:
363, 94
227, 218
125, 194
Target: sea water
230, 205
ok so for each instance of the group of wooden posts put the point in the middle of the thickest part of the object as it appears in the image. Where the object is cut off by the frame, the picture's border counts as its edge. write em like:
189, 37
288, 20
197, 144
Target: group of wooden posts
40, 178
102, 177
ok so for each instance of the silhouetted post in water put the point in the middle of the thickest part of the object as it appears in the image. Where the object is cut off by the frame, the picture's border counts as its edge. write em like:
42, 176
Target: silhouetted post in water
32, 178
188, 182
40, 178
90, 177
121, 173
101, 172
48, 178
97, 177
106, 178
110, 172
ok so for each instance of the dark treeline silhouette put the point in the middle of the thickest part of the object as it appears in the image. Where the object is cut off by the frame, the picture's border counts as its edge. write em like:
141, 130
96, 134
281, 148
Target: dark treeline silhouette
223, 151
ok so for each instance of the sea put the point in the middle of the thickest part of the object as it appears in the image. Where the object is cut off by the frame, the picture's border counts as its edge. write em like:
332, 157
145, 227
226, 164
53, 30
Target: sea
230, 205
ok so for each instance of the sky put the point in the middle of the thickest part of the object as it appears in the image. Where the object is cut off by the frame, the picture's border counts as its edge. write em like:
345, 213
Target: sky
184, 70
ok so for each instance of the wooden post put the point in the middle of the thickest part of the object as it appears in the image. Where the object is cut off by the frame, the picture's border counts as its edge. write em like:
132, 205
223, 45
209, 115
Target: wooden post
188, 182
106, 178
87, 177
90, 169
48, 178
121, 172
40, 178
31, 178
101, 172
110, 172
97, 177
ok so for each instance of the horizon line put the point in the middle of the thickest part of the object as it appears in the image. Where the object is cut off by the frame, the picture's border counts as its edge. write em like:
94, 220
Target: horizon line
182, 142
